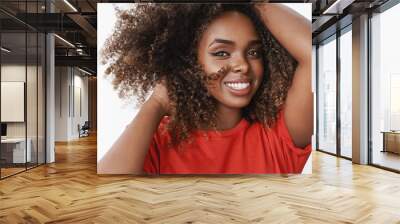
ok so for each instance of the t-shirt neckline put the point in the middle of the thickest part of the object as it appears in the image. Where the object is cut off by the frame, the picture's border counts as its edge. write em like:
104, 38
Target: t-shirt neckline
212, 133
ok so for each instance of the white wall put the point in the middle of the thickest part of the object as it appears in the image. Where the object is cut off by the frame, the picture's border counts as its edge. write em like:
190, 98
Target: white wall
61, 103
108, 102
70, 83
81, 84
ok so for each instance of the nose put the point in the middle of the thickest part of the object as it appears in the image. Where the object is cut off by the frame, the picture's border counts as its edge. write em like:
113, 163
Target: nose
240, 65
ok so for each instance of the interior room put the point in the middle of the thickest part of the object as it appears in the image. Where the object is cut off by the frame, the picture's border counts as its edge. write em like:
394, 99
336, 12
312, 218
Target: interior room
48, 151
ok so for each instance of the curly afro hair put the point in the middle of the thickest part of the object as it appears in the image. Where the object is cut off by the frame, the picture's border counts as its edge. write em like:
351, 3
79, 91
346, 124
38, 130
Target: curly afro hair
154, 42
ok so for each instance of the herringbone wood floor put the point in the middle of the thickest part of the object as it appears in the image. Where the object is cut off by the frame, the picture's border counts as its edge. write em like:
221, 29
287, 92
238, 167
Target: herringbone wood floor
70, 191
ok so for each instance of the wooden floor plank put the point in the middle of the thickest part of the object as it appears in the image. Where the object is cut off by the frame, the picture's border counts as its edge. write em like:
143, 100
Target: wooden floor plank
70, 191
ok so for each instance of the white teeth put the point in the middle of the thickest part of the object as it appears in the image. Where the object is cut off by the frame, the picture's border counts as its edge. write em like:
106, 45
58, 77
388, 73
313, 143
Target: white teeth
237, 86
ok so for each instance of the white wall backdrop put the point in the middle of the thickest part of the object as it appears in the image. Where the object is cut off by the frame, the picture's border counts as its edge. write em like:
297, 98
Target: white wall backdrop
112, 112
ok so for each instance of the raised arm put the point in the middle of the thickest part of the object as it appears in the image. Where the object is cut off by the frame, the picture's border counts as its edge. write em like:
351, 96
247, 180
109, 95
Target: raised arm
128, 153
293, 32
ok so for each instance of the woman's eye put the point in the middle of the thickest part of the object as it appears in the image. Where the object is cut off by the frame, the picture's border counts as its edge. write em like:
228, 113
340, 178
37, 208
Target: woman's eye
220, 54
254, 53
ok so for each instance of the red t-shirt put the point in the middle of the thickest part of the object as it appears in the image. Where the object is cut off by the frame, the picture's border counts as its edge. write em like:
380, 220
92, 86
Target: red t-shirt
244, 149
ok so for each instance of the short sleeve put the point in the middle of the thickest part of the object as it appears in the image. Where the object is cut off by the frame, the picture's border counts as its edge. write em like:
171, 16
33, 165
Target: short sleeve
152, 160
297, 156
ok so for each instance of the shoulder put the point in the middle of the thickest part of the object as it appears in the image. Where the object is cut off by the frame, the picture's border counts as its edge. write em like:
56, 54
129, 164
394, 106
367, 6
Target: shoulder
278, 138
277, 130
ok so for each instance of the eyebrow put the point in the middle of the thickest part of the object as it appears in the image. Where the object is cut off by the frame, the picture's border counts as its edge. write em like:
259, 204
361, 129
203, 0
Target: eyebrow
223, 41
255, 42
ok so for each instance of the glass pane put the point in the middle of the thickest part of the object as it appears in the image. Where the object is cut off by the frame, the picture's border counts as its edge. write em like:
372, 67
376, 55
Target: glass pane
386, 89
41, 98
327, 96
13, 88
31, 100
346, 94
23, 88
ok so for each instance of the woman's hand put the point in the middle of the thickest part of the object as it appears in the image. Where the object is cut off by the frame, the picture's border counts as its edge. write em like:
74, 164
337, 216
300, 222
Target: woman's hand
160, 97
291, 29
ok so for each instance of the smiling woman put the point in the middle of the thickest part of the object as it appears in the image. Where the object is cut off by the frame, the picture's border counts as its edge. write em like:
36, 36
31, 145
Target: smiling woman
225, 94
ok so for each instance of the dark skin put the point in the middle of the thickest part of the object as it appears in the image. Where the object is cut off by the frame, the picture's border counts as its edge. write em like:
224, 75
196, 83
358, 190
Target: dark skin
224, 46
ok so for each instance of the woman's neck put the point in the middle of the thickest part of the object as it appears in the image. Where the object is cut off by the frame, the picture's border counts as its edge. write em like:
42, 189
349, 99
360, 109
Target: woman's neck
227, 117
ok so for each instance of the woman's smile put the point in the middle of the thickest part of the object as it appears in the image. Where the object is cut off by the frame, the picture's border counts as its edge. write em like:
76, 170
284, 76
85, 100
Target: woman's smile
238, 87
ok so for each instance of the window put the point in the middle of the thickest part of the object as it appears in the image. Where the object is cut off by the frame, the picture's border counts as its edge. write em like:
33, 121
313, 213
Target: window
346, 92
385, 89
327, 96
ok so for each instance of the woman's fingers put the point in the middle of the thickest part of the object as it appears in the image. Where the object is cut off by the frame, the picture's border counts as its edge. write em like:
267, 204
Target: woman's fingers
160, 94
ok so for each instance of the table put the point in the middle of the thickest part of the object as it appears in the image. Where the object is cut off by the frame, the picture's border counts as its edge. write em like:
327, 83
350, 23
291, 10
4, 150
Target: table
13, 150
